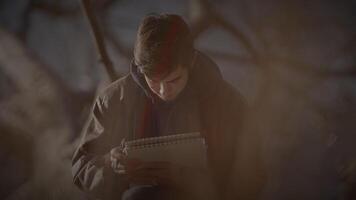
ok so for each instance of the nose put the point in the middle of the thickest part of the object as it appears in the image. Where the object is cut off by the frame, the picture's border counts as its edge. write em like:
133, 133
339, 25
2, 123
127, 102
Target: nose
164, 89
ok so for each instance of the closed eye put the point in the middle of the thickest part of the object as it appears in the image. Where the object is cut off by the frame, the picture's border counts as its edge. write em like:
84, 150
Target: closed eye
175, 79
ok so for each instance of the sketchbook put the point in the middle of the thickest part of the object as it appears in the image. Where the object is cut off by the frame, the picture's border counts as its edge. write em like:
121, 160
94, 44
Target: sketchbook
188, 149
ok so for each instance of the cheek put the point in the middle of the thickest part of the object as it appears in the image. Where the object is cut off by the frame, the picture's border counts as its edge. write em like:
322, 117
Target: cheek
180, 86
184, 82
155, 87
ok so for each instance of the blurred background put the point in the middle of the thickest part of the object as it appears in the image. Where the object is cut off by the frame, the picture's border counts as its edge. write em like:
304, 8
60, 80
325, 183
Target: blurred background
294, 61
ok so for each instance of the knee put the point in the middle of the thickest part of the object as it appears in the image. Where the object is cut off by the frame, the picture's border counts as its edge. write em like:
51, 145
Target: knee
141, 193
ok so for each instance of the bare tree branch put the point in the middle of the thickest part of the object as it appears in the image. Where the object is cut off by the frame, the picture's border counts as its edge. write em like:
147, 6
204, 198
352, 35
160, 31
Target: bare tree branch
99, 41
206, 17
229, 56
219, 20
117, 44
25, 23
200, 15
55, 10
58, 11
316, 71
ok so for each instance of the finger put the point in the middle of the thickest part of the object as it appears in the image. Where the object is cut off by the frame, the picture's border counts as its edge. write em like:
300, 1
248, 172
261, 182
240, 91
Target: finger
113, 162
120, 170
117, 165
118, 152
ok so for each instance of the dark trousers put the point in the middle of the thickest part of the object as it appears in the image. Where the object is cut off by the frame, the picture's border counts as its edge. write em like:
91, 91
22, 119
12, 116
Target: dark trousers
147, 192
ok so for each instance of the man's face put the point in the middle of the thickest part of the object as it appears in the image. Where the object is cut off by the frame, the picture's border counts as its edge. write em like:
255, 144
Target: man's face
168, 87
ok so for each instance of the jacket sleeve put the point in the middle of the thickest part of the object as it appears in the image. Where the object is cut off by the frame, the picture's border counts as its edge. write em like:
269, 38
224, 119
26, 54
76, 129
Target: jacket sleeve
248, 173
232, 118
91, 166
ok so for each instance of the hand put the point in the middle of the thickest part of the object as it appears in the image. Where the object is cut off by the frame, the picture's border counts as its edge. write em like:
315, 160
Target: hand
134, 169
117, 159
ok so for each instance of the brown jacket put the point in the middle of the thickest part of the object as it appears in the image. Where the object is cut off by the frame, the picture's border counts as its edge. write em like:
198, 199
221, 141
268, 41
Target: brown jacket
118, 113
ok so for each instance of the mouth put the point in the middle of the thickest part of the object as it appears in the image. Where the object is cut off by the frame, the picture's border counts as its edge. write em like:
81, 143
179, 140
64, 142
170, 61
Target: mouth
167, 97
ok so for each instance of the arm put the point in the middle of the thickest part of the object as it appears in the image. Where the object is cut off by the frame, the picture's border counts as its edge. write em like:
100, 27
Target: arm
248, 172
91, 167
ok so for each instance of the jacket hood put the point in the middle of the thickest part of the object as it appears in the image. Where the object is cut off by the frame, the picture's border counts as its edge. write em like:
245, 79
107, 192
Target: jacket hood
139, 79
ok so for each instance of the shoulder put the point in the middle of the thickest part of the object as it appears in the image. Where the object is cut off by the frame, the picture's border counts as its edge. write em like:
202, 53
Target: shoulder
211, 80
204, 62
233, 103
232, 94
116, 92
203, 58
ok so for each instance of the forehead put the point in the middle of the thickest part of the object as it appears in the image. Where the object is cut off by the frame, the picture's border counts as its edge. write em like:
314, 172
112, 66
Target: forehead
168, 76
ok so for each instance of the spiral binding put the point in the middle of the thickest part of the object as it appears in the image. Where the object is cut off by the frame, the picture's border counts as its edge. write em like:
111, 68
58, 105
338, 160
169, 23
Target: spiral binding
163, 140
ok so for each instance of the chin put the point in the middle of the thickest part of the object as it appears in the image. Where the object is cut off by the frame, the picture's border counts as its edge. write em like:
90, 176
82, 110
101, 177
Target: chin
168, 98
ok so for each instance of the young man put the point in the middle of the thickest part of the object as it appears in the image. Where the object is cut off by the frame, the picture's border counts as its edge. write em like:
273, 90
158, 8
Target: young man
171, 88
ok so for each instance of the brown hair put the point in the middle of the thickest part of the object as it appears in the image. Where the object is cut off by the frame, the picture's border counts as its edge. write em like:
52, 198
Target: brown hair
163, 41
